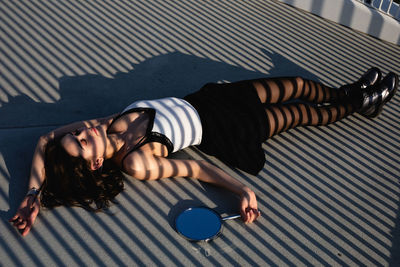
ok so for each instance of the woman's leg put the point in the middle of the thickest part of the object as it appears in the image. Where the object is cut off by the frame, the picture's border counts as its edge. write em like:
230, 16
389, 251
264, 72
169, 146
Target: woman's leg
282, 117
279, 90
366, 96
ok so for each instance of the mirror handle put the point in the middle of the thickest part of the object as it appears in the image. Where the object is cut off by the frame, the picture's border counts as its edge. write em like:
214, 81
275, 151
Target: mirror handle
231, 217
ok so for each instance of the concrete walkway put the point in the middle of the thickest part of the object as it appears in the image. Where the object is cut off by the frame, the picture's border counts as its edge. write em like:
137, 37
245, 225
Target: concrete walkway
329, 196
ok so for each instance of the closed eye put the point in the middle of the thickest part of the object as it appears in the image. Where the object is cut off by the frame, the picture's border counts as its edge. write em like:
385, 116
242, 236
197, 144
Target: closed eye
78, 142
76, 132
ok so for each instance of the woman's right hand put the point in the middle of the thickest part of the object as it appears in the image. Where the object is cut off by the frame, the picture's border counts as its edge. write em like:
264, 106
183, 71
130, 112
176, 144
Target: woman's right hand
26, 214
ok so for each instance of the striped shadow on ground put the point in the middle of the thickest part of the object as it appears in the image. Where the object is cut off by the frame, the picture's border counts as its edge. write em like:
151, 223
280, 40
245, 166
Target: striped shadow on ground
329, 195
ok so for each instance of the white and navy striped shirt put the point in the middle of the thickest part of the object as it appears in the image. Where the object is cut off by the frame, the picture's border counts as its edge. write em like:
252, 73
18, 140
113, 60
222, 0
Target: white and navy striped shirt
175, 118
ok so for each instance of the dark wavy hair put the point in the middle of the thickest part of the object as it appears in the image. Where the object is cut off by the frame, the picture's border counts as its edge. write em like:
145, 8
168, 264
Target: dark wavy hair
70, 182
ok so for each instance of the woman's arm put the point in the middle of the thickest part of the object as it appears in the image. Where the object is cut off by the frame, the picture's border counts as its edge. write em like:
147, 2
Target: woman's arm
29, 207
37, 174
105, 122
144, 166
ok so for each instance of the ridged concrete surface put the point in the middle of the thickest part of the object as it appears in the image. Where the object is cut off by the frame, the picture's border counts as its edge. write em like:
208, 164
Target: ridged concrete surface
329, 195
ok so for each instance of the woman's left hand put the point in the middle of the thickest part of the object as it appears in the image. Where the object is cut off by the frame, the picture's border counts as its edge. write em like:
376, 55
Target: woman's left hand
248, 206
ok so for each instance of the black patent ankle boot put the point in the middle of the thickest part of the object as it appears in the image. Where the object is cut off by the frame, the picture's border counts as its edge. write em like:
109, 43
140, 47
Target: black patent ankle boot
370, 77
353, 91
376, 96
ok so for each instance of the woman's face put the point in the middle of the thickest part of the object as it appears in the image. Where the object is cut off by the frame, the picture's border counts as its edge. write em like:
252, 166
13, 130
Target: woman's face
88, 143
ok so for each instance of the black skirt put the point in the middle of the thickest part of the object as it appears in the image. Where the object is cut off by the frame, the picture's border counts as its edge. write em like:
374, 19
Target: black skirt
234, 124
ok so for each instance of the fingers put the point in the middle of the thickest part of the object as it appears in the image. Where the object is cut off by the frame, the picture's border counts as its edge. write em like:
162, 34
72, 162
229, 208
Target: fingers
248, 208
19, 223
26, 215
24, 223
14, 218
251, 215
27, 229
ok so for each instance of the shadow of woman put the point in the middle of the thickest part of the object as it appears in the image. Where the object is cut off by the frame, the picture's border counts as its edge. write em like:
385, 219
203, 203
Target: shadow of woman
90, 96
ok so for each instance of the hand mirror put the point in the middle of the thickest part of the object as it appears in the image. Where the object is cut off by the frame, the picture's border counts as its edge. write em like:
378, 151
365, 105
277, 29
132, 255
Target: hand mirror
200, 223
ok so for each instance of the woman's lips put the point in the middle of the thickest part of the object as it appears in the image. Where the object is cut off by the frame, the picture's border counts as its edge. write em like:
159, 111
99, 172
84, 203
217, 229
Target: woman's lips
95, 131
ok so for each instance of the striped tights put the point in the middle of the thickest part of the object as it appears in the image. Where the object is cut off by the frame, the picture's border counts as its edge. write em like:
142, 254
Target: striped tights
294, 101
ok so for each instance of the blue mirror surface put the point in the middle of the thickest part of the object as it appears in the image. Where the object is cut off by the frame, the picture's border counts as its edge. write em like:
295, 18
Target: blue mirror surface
199, 223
